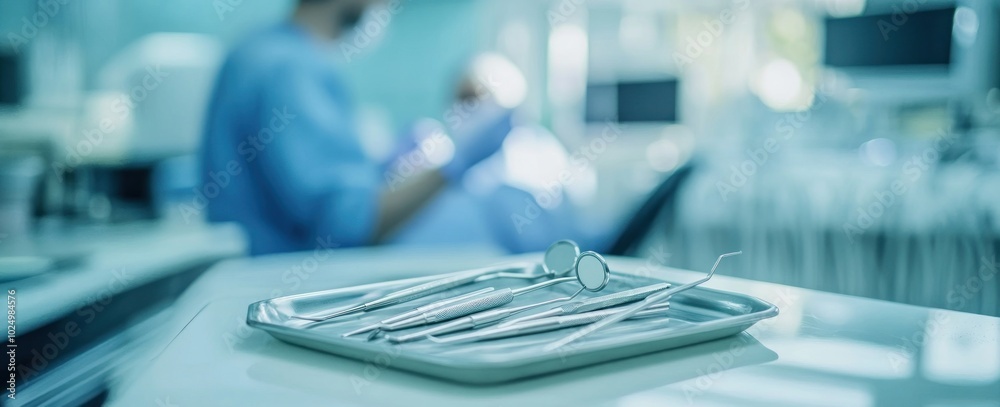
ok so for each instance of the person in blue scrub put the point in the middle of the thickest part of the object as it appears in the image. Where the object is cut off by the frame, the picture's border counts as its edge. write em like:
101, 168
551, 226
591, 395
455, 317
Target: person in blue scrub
282, 154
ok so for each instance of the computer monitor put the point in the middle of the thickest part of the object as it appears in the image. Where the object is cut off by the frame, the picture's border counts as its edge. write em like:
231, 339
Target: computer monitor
635, 101
11, 78
922, 38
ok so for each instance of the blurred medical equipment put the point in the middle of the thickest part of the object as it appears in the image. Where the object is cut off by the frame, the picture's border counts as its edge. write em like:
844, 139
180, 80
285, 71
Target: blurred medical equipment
19, 177
904, 71
923, 234
662, 201
632, 310
591, 272
559, 259
13, 78
634, 101
156, 93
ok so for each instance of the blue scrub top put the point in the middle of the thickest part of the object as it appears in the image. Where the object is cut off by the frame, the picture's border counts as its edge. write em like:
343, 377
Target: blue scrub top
280, 154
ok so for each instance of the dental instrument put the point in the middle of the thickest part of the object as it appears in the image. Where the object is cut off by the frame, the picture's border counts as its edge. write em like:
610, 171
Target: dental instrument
592, 274
546, 325
634, 309
557, 265
596, 303
590, 264
418, 310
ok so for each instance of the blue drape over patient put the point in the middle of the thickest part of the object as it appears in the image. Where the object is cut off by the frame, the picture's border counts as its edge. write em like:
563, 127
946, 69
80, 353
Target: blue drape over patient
281, 148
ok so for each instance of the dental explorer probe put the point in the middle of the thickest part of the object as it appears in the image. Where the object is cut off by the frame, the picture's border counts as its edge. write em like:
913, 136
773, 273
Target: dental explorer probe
634, 309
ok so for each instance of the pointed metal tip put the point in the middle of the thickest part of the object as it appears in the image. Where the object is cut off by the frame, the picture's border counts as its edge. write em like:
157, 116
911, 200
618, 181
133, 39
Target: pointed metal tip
719, 260
361, 330
346, 311
372, 336
435, 339
545, 314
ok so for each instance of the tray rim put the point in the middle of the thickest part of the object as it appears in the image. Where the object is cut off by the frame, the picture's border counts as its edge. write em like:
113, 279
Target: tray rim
744, 321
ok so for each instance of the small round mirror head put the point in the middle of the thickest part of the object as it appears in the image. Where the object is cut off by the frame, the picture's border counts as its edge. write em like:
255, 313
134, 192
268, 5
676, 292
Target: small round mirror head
592, 271
560, 257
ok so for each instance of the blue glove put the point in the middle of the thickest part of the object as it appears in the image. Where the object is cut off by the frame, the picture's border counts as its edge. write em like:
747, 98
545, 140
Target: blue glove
476, 137
423, 145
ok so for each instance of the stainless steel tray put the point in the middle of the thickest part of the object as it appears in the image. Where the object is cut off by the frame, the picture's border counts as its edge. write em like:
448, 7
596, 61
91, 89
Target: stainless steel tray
695, 316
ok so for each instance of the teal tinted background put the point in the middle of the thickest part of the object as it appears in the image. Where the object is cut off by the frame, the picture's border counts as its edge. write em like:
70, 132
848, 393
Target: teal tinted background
411, 72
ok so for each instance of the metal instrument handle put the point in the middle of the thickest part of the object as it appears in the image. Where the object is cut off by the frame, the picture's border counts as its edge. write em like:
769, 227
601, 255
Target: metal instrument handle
611, 300
431, 287
473, 321
543, 284
435, 305
485, 302
482, 303
545, 325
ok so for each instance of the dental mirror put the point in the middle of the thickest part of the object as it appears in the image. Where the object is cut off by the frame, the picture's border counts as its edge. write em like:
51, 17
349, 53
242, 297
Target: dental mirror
592, 271
560, 257
634, 309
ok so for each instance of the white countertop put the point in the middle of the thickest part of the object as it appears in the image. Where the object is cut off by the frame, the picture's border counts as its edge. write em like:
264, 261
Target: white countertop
823, 349
117, 258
